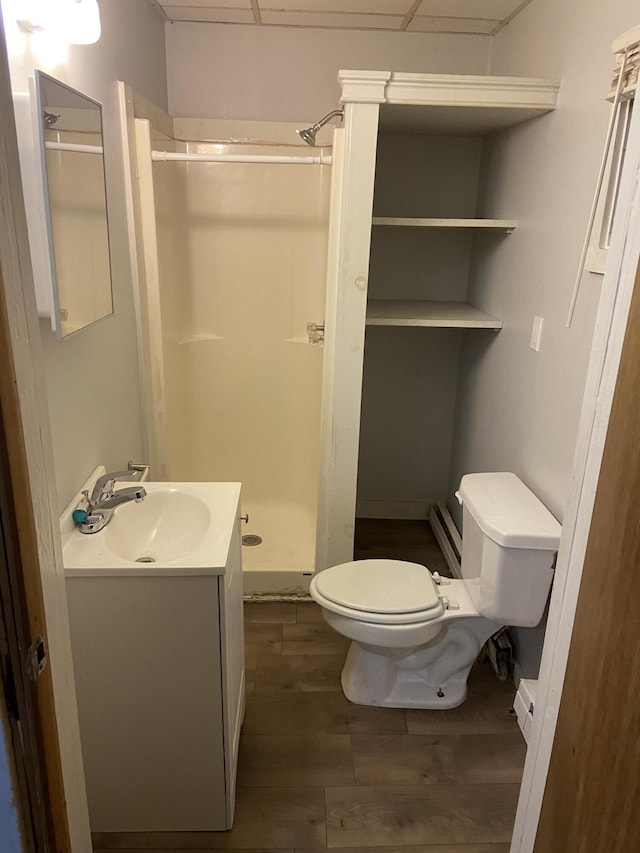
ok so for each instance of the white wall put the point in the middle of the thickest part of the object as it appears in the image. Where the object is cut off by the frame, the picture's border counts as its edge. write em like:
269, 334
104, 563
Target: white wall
523, 407
92, 378
290, 74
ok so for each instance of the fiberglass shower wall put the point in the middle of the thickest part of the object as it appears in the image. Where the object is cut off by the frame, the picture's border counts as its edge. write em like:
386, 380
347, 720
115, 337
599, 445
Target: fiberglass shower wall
241, 270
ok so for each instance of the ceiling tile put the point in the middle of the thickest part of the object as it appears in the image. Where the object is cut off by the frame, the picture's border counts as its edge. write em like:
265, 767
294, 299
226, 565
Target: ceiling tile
207, 4
437, 16
332, 20
210, 15
497, 10
364, 7
479, 26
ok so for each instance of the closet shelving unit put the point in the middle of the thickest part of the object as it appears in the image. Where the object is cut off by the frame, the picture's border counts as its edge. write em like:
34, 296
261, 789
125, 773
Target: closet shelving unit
427, 313
385, 102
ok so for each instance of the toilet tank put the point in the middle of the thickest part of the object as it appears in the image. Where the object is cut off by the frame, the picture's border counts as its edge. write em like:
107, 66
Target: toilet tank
509, 541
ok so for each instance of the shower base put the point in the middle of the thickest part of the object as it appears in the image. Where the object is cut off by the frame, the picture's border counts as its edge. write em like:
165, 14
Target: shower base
283, 563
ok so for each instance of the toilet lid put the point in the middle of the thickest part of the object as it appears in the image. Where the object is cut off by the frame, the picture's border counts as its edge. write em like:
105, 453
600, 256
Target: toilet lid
379, 586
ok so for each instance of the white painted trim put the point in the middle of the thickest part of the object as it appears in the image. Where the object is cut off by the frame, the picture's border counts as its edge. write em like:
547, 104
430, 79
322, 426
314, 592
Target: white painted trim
608, 338
471, 90
363, 87
530, 93
148, 300
347, 275
329, 353
128, 142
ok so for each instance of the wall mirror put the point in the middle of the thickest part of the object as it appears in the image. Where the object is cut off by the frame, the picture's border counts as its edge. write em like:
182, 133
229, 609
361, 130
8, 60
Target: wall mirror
71, 145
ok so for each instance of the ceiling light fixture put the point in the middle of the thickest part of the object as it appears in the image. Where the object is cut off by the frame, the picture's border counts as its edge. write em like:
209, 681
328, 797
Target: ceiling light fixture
72, 21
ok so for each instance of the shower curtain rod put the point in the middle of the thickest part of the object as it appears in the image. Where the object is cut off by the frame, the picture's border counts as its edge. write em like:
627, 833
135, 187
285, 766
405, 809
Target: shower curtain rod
305, 160
72, 146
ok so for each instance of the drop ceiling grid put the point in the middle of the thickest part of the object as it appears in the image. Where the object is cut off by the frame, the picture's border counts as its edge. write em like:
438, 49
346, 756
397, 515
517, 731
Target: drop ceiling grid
441, 16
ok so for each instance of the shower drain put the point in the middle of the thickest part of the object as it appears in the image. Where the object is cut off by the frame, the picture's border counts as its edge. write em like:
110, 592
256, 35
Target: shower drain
251, 539
145, 560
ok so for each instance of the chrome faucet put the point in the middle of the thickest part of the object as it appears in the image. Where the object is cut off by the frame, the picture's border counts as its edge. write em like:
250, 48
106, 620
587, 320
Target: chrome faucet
95, 511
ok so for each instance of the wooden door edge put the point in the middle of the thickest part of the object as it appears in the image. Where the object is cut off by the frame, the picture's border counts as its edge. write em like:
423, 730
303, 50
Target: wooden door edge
23, 518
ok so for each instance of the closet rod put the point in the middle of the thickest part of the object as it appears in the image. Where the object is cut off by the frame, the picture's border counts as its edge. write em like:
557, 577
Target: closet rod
72, 146
320, 160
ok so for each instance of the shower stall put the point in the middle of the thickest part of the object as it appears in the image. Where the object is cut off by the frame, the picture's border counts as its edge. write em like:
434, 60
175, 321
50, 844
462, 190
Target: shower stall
231, 307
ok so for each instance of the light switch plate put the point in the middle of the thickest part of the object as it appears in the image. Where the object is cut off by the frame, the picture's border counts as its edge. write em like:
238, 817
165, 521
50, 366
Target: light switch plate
536, 333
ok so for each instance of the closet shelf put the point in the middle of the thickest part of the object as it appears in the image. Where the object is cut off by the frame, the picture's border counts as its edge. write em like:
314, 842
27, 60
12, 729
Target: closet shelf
443, 315
411, 222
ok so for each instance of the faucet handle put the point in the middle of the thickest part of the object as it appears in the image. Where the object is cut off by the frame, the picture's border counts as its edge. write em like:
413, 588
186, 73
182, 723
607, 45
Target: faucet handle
103, 487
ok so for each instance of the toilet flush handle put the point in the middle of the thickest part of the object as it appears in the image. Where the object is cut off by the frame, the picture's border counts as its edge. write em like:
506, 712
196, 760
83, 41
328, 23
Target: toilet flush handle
458, 497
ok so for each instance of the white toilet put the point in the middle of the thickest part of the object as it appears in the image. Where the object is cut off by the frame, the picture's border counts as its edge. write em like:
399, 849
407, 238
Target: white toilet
416, 635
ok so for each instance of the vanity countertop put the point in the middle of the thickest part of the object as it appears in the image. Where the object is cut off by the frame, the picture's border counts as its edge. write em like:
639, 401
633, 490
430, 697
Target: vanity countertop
178, 529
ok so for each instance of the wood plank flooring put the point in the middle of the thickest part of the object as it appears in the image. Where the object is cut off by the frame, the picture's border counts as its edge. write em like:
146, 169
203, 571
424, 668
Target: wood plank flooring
317, 772
399, 539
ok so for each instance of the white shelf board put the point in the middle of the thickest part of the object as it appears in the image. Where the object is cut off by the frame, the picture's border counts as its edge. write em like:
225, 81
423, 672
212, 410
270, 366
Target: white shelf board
413, 222
442, 315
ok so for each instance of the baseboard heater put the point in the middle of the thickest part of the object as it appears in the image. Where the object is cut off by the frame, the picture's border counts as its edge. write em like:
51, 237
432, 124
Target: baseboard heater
447, 536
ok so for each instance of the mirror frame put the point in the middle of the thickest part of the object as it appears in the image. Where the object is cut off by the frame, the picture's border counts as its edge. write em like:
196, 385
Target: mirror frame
56, 319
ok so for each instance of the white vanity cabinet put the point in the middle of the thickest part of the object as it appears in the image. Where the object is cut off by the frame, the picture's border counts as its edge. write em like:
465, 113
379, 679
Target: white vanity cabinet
159, 667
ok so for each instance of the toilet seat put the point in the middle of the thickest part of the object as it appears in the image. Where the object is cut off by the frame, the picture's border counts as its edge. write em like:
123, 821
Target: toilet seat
385, 592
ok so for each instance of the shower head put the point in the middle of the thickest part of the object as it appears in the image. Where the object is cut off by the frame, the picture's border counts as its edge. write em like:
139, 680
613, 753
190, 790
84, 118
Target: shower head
49, 118
309, 133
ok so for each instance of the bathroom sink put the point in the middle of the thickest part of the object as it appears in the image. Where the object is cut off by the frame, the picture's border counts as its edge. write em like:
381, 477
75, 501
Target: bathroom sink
166, 525
183, 527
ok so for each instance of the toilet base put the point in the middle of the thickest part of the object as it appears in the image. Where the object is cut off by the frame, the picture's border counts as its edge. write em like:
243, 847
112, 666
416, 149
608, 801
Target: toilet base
433, 676
366, 680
